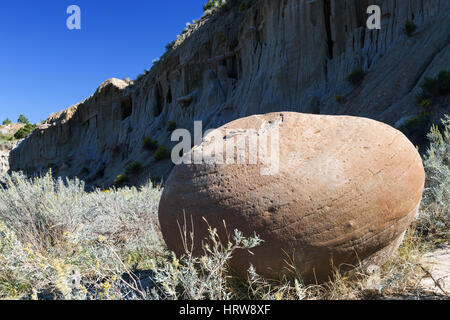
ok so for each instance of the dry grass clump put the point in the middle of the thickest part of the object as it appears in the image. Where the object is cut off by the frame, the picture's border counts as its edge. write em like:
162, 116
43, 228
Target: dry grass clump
400, 276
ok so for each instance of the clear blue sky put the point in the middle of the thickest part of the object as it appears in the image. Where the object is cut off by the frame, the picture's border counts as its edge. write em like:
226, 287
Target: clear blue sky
45, 68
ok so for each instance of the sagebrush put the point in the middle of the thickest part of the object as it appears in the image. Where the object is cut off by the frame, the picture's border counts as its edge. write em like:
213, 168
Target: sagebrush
59, 240
434, 221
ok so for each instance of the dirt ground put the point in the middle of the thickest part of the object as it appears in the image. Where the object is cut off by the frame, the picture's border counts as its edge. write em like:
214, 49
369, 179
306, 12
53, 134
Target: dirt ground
437, 263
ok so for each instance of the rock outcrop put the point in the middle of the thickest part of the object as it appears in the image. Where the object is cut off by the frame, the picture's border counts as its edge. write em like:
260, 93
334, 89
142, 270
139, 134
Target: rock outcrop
345, 190
4, 157
279, 55
5, 149
6, 145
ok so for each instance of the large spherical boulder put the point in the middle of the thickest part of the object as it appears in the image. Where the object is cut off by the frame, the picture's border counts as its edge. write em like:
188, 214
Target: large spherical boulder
343, 193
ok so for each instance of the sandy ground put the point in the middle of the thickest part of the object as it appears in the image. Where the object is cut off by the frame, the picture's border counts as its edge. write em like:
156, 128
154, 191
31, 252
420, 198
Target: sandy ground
437, 263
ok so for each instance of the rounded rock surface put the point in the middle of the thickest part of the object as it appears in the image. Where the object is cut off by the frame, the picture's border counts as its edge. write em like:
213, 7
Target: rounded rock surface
344, 192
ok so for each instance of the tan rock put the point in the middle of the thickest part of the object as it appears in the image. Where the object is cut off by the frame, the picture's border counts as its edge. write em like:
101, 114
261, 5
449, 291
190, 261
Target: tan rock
346, 191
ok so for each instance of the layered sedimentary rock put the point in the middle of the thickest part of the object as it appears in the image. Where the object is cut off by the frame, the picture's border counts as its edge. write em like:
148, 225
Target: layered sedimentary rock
343, 191
279, 55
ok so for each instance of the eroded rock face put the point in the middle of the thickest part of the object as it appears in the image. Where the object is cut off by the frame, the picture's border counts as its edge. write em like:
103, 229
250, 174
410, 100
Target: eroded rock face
279, 55
346, 190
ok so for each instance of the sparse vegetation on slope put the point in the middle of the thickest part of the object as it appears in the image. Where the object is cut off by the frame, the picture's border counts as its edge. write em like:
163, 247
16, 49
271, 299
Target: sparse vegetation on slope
25, 131
356, 76
16, 131
162, 153
410, 28
133, 168
432, 100
435, 87
23, 119
212, 4
149, 145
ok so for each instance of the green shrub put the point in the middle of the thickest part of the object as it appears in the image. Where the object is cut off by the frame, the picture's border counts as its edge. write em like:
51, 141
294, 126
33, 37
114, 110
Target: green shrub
23, 119
356, 77
410, 28
6, 121
133, 168
409, 124
434, 220
435, 87
149, 144
171, 126
24, 132
162, 153
426, 103
245, 5
444, 82
170, 45
421, 96
430, 86
121, 180
340, 98
211, 4
208, 5
6, 137
417, 127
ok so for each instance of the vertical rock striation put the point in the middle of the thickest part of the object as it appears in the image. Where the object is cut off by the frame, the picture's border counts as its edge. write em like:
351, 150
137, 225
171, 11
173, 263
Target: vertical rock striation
279, 55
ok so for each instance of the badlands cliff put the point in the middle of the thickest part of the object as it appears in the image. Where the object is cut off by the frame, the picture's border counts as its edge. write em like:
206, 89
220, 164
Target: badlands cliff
278, 55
